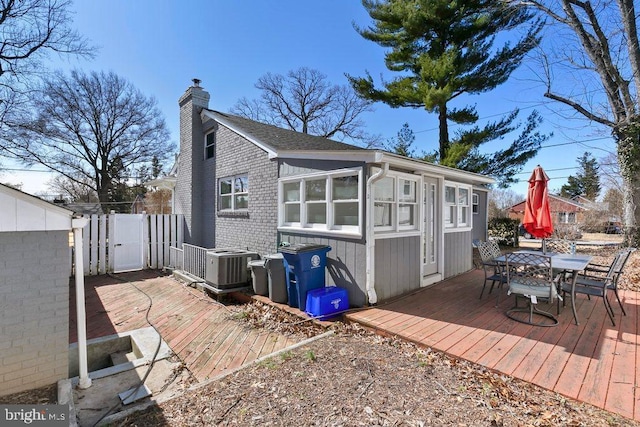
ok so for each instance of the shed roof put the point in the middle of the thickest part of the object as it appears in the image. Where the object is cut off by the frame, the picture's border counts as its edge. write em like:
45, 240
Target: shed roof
24, 212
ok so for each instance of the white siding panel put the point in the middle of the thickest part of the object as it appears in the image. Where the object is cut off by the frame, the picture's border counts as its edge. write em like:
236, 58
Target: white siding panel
8, 213
30, 217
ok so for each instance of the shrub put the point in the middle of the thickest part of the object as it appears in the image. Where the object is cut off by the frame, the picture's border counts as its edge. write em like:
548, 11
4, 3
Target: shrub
504, 230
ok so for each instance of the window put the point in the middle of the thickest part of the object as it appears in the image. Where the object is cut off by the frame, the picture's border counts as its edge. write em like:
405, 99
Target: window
475, 200
329, 201
384, 197
567, 217
457, 202
395, 206
210, 145
233, 193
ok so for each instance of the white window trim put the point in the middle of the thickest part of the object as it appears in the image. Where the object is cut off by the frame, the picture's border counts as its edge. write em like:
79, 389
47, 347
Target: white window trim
475, 201
233, 193
206, 146
456, 226
329, 227
396, 230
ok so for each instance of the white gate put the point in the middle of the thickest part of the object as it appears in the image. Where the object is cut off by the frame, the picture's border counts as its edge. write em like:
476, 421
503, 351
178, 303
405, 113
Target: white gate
127, 241
158, 234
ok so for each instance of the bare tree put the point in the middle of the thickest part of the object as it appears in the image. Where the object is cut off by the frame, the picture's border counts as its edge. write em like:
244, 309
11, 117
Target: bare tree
501, 200
30, 30
93, 129
610, 173
73, 191
598, 43
306, 102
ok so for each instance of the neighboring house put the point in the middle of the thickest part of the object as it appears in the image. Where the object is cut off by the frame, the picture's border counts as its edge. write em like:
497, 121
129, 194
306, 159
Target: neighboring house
394, 223
35, 262
563, 210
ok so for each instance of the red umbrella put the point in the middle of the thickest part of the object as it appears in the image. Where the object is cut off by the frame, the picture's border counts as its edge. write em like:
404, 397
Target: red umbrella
537, 215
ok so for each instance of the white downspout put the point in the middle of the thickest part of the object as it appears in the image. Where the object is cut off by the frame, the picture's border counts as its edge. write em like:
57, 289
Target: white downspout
371, 242
78, 224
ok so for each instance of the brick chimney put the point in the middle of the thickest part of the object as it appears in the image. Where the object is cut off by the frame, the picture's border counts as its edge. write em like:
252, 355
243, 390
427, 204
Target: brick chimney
189, 185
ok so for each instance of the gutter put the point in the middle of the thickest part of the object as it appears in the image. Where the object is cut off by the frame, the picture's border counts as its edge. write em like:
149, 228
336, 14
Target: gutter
371, 242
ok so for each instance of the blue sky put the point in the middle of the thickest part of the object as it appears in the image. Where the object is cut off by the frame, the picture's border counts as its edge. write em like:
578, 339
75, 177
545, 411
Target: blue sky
161, 45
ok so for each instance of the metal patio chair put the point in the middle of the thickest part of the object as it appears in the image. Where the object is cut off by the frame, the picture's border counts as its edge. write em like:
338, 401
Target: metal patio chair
530, 276
493, 270
598, 279
558, 246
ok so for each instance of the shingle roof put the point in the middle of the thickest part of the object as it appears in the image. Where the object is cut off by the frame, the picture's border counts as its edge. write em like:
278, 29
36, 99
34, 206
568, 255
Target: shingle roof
283, 139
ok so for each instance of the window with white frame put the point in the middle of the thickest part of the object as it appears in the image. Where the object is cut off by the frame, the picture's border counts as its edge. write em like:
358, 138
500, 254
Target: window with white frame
475, 200
233, 193
329, 201
210, 145
395, 205
457, 203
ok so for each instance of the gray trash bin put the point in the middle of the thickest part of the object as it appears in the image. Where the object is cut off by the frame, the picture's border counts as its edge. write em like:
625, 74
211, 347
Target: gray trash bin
259, 277
276, 273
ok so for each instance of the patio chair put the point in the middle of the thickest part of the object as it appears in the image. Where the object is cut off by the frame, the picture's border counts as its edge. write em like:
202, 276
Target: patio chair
558, 246
597, 279
493, 270
530, 275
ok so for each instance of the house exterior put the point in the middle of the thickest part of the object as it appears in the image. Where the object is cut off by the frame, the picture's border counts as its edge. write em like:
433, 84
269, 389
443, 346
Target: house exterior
394, 224
563, 210
35, 261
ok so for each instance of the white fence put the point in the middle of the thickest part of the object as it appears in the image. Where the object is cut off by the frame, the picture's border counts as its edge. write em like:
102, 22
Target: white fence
159, 233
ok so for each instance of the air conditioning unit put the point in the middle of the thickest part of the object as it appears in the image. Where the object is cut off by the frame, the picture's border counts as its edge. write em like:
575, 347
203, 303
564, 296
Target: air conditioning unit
228, 268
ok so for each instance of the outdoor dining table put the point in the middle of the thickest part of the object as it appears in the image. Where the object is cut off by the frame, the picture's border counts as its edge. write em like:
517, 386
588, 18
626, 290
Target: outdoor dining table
569, 263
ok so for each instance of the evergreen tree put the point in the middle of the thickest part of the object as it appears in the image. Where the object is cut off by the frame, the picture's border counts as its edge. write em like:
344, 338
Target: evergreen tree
402, 142
444, 49
587, 180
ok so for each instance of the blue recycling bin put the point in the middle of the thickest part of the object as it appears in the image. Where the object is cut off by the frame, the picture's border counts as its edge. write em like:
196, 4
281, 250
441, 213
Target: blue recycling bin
305, 264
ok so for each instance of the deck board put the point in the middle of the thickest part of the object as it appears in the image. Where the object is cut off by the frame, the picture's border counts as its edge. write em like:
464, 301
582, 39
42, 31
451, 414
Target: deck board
594, 361
199, 330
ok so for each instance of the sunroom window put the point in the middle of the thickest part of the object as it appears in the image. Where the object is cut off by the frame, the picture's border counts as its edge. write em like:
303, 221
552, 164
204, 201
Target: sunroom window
395, 205
457, 206
328, 201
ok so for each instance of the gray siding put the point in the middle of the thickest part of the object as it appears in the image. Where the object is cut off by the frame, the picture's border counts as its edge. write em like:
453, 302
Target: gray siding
256, 229
480, 219
345, 264
457, 253
293, 167
34, 319
398, 267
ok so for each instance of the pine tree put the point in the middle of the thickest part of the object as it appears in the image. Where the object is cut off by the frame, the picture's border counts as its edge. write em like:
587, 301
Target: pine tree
402, 143
587, 180
445, 49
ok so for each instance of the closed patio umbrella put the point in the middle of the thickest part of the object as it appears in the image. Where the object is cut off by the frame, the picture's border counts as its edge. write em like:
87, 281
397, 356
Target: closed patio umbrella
537, 215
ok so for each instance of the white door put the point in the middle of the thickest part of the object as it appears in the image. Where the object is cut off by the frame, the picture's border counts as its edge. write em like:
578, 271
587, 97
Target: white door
430, 230
127, 242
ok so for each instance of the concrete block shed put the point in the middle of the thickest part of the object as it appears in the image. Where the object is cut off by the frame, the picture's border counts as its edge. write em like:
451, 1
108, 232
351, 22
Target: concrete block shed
35, 266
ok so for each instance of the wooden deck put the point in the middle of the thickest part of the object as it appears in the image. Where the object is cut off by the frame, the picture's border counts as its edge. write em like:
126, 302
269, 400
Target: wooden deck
198, 329
593, 362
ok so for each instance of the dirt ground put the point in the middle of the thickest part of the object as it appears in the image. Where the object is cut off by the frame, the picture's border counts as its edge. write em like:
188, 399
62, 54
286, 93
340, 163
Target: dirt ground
355, 378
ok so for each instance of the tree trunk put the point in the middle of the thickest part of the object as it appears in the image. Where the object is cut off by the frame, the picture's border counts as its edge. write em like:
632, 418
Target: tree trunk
444, 131
628, 137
